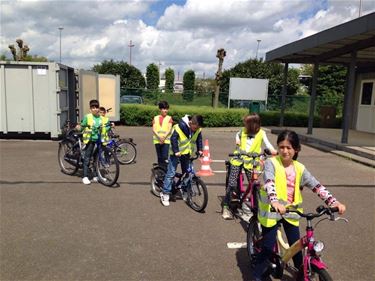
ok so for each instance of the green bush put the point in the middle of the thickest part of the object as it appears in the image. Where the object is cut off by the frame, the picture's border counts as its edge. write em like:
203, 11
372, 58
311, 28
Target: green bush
142, 115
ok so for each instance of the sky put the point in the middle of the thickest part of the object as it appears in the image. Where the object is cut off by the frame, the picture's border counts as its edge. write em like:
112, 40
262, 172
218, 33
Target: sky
180, 34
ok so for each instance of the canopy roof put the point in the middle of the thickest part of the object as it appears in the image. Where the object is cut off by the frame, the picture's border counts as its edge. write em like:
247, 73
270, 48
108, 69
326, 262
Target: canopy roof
333, 45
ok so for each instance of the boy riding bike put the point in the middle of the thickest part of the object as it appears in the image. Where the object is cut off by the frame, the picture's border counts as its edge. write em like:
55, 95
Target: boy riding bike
93, 125
248, 140
185, 134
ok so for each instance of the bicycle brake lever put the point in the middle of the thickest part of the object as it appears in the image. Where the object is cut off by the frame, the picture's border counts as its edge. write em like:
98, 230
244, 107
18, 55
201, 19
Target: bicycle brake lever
341, 218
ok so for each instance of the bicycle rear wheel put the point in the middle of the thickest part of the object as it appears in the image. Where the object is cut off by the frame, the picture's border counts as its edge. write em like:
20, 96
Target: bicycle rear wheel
107, 166
157, 180
125, 152
197, 195
68, 157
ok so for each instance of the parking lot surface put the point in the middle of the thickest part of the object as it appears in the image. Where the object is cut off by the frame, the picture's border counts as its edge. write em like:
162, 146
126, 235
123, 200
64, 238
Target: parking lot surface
52, 227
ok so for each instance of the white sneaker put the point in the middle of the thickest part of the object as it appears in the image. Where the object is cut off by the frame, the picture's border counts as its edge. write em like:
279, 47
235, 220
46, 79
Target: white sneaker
86, 180
94, 179
164, 198
184, 195
227, 214
245, 208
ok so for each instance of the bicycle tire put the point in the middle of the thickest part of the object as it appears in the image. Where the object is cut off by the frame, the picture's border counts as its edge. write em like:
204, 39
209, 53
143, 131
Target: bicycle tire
126, 152
253, 237
157, 179
107, 166
66, 164
197, 195
317, 274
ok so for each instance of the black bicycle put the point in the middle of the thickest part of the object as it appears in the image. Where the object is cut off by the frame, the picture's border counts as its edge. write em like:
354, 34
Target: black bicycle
197, 195
71, 152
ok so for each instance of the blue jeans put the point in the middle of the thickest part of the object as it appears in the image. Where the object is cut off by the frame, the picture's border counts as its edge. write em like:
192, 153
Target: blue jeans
269, 241
171, 170
162, 151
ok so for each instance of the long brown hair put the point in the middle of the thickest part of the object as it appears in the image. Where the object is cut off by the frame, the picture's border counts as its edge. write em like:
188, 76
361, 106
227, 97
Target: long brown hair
252, 123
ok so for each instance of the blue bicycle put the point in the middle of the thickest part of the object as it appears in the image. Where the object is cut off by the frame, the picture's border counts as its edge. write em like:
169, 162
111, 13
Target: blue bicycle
104, 161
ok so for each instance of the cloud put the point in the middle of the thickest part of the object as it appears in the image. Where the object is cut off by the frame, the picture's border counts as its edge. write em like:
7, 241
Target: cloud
184, 36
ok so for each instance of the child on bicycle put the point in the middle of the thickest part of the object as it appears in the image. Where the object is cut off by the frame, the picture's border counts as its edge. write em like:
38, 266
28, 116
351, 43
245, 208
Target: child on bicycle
248, 140
91, 126
185, 134
284, 178
162, 129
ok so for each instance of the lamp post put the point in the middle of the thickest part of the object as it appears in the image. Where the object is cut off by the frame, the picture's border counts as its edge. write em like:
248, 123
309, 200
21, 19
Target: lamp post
256, 54
60, 29
131, 45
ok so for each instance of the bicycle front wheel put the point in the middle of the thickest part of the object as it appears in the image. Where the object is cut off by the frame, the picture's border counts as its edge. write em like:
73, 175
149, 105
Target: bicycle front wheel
157, 180
317, 274
68, 157
197, 195
126, 152
107, 166
254, 235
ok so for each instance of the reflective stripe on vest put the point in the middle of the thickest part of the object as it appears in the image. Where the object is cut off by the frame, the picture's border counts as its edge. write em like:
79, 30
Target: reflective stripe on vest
162, 130
184, 143
256, 147
269, 219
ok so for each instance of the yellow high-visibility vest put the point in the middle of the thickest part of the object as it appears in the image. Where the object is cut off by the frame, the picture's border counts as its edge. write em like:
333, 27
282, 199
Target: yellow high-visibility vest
162, 130
184, 143
104, 132
256, 147
269, 219
86, 136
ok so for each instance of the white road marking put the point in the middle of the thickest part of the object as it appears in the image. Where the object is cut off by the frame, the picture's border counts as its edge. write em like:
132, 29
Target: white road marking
236, 245
220, 172
219, 161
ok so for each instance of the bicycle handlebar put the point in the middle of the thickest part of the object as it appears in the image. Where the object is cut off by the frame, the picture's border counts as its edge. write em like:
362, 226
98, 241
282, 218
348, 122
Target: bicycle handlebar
320, 211
253, 155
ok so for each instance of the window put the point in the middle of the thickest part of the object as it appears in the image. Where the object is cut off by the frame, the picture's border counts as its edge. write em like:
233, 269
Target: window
367, 93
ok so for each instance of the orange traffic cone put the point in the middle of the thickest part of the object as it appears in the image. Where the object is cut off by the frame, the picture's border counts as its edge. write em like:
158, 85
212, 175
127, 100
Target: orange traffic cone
206, 160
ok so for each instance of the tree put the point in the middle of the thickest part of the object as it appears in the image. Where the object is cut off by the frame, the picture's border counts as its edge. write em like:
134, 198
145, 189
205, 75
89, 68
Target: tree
152, 76
330, 88
205, 86
221, 53
169, 80
130, 76
189, 82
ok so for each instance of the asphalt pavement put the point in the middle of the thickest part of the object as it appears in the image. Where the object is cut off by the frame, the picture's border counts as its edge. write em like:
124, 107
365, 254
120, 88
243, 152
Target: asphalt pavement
52, 227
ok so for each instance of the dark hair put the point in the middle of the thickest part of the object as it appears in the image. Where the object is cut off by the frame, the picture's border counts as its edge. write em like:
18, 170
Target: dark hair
94, 103
102, 108
292, 137
163, 105
252, 123
197, 120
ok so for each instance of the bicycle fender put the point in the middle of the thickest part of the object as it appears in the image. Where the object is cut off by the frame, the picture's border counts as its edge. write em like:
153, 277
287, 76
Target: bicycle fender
318, 263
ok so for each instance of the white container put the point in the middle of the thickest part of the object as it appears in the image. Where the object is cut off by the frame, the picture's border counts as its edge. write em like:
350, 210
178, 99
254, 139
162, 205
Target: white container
36, 97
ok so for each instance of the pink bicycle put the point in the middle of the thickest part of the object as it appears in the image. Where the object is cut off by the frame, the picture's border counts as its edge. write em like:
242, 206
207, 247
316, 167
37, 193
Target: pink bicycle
313, 266
244, 199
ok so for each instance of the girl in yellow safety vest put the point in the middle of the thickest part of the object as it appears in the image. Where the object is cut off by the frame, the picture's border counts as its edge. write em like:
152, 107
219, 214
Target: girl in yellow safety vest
161, 129
284, 178
248, 140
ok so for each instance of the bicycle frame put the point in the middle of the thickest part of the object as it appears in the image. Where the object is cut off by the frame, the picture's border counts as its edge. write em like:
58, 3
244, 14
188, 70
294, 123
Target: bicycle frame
306, 243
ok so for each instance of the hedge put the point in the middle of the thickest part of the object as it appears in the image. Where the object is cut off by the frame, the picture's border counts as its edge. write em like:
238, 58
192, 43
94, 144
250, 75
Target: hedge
142, 115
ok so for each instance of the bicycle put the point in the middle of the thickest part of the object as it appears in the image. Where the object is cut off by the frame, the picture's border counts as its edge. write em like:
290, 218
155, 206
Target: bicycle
197, 195
70, 157
125, 149
244, 202
313, 268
